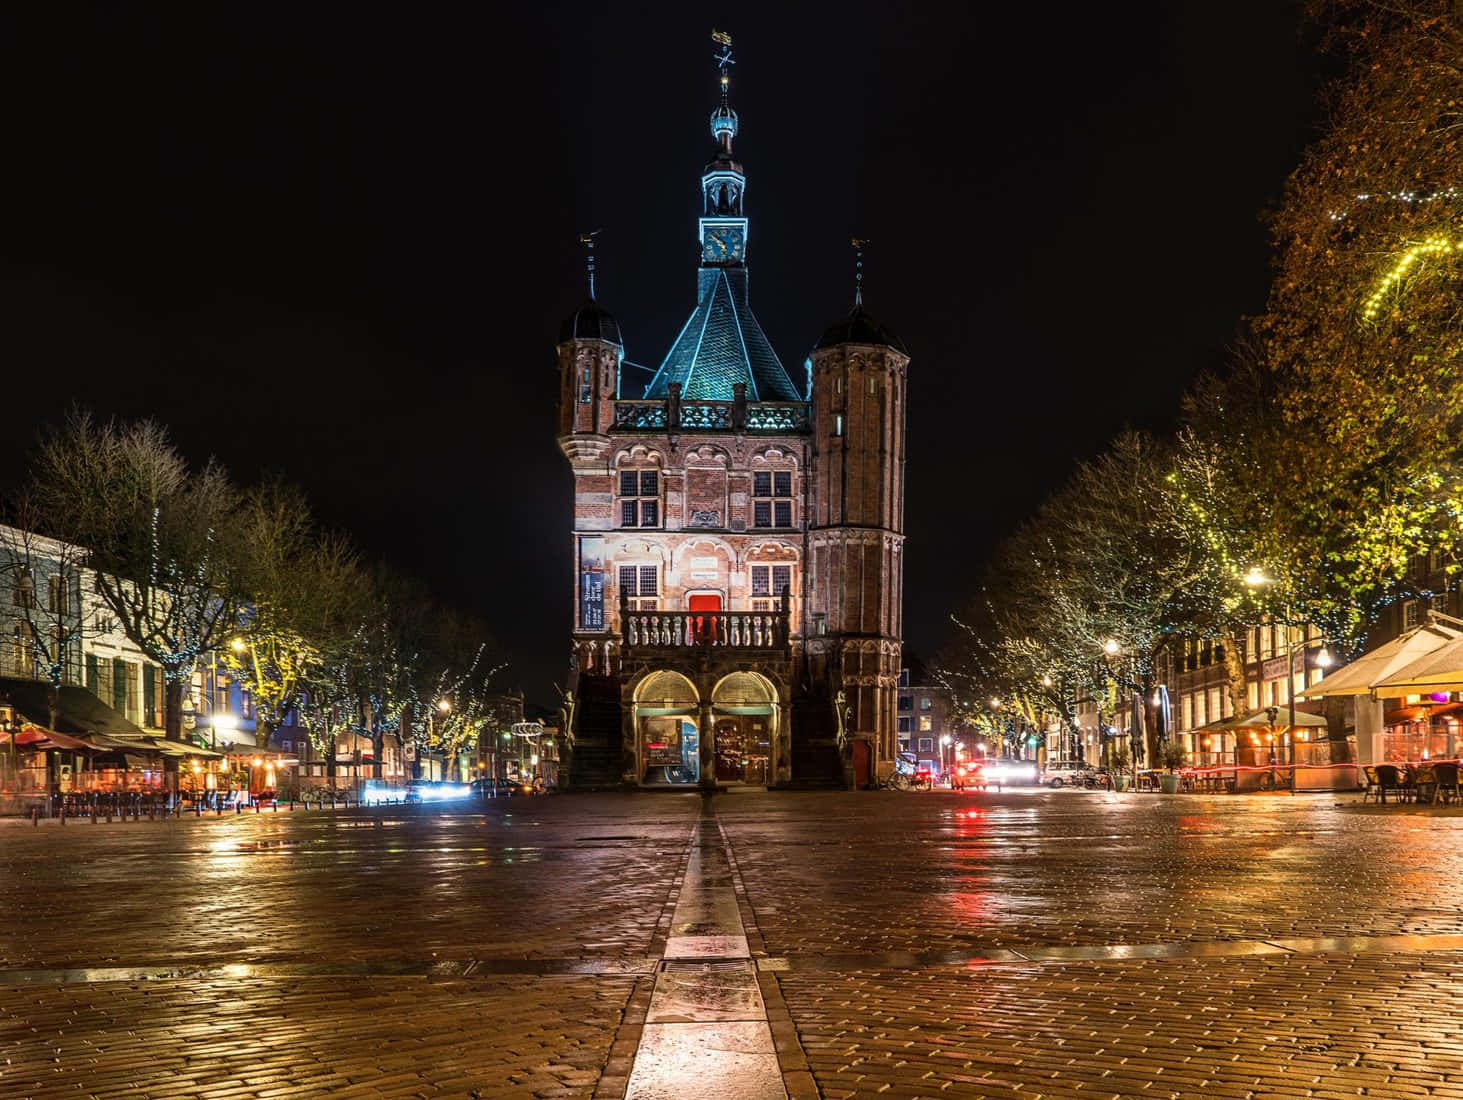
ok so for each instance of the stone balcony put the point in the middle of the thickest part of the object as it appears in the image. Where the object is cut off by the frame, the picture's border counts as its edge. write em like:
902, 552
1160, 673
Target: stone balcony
724, 631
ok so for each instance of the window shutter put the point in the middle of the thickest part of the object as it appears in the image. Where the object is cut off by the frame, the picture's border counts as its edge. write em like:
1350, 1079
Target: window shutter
119, 685
149, 696
91, 673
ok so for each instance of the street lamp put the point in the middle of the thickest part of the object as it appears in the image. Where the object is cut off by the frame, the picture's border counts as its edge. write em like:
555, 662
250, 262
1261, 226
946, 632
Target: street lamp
945, 740
1257, 578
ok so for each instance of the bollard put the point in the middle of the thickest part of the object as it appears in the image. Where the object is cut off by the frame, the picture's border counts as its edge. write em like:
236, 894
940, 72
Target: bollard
276, 805
109, 816
238, 808
256, 805
93, 813
218, 808
63, 813
35, 816
292, 805
197, 809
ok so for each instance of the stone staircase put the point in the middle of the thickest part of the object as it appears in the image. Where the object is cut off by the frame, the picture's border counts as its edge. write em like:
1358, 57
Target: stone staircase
597, 735
816, 764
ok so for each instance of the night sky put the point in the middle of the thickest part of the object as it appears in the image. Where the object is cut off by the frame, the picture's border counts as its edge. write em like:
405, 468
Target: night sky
337, 241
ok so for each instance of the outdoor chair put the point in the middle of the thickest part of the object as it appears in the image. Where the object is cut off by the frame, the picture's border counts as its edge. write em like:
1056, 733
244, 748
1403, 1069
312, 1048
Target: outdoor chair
1373, 788
1391, 778
1447, 776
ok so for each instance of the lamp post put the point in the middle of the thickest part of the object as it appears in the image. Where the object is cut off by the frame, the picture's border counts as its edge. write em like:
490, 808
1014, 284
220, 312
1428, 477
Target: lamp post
944, 753
1257, 578
12, 724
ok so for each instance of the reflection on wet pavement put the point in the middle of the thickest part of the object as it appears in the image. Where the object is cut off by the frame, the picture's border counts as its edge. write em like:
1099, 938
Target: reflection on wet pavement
899, 944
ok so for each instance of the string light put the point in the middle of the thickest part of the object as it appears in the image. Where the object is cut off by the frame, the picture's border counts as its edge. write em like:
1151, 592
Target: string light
1432, 246
1411, 198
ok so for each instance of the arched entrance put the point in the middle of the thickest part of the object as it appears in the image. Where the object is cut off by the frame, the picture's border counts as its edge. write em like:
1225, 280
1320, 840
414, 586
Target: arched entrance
745, 712
666, 732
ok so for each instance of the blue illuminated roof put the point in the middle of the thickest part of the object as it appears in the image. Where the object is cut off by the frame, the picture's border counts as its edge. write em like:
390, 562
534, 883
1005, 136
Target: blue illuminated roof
722, 344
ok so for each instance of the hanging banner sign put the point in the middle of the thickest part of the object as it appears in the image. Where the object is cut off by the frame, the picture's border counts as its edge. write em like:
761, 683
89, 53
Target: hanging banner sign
592, 582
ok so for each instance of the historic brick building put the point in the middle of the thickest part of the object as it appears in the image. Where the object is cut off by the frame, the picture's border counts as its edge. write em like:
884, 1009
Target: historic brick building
738, 534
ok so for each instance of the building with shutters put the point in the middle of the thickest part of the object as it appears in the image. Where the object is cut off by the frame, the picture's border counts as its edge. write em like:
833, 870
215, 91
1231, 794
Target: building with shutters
738, 533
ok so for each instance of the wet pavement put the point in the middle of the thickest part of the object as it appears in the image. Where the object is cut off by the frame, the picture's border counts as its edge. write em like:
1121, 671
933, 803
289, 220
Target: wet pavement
759, 945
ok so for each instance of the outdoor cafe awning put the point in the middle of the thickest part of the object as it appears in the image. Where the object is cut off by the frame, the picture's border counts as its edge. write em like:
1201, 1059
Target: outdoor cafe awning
1363, 675
157, 745
1440, 670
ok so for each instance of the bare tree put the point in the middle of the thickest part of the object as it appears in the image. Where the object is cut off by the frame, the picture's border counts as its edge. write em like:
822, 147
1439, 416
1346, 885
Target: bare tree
307, 600
160, 540
46, 602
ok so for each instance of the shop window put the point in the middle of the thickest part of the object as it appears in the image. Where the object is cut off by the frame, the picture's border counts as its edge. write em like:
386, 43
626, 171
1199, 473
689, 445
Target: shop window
639, 498
639, 586
772, 498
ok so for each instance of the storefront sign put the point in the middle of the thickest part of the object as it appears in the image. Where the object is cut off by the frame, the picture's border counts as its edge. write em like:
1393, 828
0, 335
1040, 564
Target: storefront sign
592, 582
1275, 668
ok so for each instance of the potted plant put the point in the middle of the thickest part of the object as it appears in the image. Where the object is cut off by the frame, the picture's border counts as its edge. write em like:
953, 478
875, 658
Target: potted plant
1117, 764
1174, 758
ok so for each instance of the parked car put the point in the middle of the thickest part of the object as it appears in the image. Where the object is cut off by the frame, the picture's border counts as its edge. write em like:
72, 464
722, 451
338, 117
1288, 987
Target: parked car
496, 788
1069, 773
1009, 772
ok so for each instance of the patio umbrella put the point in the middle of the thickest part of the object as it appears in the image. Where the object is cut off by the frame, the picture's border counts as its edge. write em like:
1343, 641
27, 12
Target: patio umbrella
1261, 720
1135, 729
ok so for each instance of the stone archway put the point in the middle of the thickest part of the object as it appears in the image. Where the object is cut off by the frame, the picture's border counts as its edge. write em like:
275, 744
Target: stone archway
747, 718
665, 713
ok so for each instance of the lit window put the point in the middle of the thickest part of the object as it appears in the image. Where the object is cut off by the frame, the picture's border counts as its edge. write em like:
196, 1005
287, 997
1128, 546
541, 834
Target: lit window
924, 702
926, 723
639, 585
1411, 614
772, 498
769, 581
639, 498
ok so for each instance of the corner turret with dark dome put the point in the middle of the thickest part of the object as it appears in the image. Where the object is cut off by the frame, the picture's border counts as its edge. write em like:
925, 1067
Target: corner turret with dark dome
859, 327
591, 321
590, 354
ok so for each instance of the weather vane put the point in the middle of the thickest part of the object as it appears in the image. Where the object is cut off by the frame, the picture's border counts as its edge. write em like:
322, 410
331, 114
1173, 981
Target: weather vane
724, 58
587, 240
859, 244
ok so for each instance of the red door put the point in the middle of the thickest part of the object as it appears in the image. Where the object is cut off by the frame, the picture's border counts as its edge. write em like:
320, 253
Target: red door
703, 630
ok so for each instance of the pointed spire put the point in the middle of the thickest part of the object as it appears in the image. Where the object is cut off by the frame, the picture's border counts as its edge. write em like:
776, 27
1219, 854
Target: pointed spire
723, 119
587, 240
859, 244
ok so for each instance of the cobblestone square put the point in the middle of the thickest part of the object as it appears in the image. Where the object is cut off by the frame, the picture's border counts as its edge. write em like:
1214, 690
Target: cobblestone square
937, 944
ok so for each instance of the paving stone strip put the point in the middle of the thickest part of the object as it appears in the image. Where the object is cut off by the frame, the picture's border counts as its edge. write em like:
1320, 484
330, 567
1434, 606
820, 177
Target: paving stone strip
707, 1021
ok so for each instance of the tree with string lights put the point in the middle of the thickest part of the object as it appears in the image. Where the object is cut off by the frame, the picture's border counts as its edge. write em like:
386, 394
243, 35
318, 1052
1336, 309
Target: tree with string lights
1363, 328
308, 597
162, 548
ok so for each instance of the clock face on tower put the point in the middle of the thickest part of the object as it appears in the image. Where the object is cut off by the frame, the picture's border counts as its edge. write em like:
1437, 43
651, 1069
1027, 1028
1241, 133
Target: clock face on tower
722, 244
